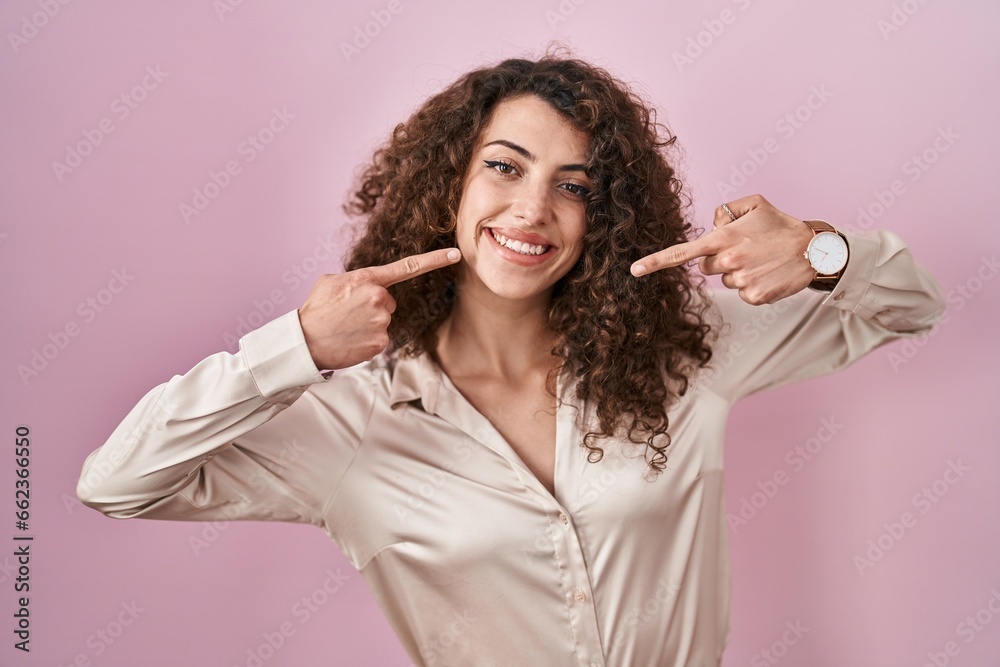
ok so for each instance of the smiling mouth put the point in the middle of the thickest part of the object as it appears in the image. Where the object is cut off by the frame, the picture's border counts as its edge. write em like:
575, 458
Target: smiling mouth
527, 249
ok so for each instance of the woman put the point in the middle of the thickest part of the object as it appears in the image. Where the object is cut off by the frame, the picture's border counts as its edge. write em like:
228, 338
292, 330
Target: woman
531, 472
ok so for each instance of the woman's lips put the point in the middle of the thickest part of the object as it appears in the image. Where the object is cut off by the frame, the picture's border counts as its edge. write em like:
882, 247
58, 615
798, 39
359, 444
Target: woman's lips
520, 235
515, 257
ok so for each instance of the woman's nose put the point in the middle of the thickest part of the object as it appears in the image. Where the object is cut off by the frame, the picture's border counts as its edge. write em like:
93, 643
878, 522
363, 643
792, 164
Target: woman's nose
533, 203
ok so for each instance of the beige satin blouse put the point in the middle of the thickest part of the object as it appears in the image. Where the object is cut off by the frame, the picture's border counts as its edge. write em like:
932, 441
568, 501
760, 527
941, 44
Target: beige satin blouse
472, 560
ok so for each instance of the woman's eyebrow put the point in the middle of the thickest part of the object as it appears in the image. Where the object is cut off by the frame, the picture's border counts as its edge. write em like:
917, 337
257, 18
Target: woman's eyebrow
531, 157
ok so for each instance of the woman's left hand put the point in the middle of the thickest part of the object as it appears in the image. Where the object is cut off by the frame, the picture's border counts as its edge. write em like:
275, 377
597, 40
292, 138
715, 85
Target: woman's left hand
759, 253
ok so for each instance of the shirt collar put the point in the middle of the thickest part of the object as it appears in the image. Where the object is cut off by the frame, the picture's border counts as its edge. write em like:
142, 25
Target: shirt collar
414, 378
420, 378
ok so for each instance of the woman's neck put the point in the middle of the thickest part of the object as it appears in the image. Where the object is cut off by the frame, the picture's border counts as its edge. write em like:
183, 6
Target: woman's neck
494, 337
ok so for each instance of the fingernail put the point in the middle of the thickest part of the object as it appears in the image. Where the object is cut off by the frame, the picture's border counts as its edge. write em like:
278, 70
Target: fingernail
454, 254
638, 269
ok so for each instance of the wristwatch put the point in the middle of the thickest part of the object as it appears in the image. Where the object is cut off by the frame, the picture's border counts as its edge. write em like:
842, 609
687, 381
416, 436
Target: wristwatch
827, 254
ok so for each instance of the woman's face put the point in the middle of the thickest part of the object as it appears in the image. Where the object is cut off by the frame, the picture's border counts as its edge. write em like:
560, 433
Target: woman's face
521, 219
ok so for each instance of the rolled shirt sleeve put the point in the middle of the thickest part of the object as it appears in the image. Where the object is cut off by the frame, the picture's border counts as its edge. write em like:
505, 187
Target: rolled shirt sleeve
239, 436
883, 295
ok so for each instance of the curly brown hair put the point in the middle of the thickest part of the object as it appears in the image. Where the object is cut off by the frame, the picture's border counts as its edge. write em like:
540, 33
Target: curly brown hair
632, 343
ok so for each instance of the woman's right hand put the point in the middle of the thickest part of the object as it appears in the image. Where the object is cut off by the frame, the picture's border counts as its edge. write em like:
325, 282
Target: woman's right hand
346, 315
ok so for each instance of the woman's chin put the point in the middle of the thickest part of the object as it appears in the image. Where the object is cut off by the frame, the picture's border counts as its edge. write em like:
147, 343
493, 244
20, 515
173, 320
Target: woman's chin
510, 288
505, 281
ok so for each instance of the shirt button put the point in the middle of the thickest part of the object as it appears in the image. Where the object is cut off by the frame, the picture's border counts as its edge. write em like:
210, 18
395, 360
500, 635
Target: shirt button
564, 518
839, 297
580, 596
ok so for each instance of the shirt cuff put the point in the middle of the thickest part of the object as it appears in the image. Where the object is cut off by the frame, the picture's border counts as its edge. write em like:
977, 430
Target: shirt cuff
278, 357
852, 288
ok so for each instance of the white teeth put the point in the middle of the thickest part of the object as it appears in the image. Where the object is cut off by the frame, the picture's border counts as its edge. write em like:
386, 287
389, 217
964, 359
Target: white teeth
518, 246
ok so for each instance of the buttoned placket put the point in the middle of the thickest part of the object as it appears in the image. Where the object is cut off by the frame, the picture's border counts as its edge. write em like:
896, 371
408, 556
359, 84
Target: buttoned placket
576, 574
442, 398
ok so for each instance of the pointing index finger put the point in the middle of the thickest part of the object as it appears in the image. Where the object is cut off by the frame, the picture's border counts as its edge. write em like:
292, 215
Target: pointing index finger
413, 266
678, 254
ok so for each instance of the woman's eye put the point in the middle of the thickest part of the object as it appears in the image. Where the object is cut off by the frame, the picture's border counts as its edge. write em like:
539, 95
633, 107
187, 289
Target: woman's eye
508, 169
493, 164
578, 190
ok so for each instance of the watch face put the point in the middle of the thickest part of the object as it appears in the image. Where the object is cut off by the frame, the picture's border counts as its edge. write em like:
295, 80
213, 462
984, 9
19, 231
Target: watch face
827, 253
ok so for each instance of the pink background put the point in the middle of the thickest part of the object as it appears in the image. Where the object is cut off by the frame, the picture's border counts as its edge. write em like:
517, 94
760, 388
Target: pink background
905, 411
